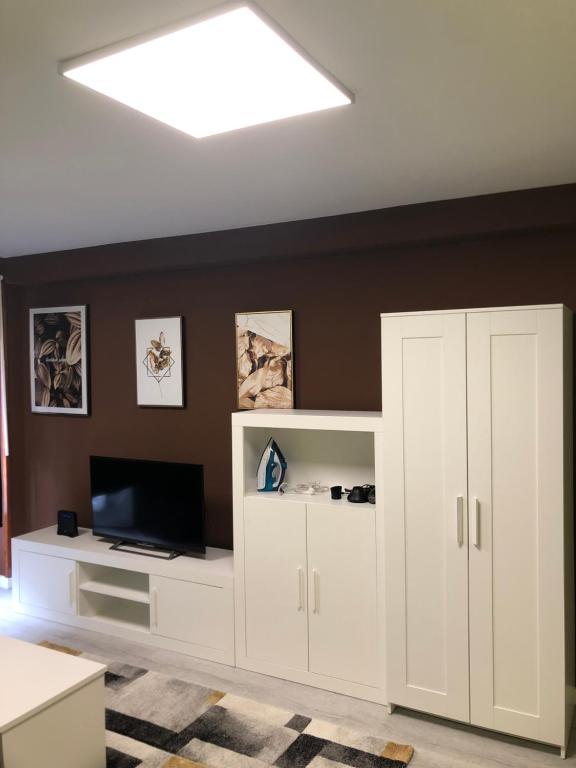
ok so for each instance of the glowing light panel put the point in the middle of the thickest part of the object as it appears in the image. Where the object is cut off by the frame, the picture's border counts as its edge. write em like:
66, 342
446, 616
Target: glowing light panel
215, 75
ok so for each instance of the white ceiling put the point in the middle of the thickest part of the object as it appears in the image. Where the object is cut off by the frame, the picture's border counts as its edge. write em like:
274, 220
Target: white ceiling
453, 98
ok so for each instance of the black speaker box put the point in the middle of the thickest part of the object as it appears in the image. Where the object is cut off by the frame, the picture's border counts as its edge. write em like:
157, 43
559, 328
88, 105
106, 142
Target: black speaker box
67, 523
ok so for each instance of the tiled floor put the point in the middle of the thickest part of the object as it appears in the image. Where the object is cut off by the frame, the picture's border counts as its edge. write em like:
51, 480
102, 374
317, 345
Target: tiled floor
438, 744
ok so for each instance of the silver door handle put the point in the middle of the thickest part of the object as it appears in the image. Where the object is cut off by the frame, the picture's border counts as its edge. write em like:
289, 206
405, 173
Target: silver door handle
315, 591
460, 520
300, 584
476, 522
72, 587
154, 606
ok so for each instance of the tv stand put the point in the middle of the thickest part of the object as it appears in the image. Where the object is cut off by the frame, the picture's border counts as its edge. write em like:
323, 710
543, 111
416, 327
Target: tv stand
184, 604
148, 550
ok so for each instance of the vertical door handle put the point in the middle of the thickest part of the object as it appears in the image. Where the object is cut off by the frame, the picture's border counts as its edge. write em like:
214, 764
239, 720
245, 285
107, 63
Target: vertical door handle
300, 584
315, 591
72, 587
476, 522
460, 520
154, 607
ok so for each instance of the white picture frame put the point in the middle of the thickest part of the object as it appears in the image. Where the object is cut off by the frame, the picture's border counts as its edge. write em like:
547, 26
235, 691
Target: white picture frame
59, 360
159, 362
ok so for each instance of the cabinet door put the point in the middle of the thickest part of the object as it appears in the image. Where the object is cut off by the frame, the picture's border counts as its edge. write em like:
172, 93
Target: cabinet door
424, 501
516, 486
275, 582
47, 582
342, 592
190, 612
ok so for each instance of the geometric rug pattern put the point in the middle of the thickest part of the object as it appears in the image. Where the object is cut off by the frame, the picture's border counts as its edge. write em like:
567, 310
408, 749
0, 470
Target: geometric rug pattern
157, 721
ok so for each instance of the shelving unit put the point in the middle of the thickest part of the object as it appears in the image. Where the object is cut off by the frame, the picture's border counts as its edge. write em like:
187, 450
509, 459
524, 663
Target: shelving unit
114, 596
333, 451
309, 580
184, 605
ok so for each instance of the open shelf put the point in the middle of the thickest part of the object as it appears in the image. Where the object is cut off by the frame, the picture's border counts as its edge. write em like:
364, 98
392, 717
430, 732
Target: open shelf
114, 582
115, 610
329, 457
114, 596
317, 498
126, 593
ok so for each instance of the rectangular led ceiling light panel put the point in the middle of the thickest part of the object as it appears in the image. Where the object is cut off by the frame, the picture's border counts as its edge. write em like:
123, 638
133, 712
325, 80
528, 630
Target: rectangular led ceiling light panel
214, 75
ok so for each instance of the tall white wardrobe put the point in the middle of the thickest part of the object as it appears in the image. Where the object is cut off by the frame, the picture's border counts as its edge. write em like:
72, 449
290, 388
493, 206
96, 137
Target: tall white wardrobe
477, 503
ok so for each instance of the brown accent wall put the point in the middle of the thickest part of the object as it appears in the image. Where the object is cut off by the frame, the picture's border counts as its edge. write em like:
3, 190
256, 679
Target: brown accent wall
424, 262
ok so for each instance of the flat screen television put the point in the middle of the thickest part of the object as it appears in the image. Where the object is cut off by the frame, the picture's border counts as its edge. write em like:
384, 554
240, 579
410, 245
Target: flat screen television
150, 504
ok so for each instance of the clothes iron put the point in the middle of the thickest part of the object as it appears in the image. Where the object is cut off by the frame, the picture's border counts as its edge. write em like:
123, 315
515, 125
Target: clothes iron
271, 468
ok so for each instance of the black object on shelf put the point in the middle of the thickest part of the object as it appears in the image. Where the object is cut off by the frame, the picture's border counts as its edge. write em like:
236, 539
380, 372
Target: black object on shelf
336, 491
67, 523
358, 495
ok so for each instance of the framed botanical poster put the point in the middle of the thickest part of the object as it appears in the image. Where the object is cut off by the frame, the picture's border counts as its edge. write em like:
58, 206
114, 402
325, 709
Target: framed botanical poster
58, 360
264, 365
159, 377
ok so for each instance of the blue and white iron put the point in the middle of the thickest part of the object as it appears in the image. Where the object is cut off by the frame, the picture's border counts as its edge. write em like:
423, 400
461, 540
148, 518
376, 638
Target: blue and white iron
271, 468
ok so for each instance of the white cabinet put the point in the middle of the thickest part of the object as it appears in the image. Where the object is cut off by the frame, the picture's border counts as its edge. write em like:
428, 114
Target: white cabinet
479, 545
185, 605
342, 592
309, 579
51, 708
47, 582
200, 615
275, 582
424, 477
516, 415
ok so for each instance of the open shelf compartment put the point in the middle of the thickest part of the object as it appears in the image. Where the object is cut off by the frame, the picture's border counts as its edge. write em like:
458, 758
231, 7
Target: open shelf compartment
115, 610
114, 582
326, 456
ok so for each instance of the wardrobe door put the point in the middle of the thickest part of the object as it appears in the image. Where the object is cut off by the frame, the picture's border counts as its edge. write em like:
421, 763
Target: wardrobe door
424, 500
516, 486
343, 612
275, 582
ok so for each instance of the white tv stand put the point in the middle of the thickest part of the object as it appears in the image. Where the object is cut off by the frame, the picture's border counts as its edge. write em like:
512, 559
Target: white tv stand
185, 605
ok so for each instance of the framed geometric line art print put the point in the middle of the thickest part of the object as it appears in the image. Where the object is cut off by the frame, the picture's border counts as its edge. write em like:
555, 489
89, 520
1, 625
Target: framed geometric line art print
159, 368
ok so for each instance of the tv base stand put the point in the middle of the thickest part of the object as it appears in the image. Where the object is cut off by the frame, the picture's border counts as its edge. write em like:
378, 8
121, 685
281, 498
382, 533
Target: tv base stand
184, 605
145, 549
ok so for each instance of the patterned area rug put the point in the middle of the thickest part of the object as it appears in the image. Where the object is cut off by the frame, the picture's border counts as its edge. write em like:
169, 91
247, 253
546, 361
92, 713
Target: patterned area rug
156, 721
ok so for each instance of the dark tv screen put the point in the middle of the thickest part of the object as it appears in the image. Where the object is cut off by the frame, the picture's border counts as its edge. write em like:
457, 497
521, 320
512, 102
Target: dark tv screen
156, 503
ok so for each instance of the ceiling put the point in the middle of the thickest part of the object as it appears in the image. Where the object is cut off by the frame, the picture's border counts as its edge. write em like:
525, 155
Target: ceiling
453, 98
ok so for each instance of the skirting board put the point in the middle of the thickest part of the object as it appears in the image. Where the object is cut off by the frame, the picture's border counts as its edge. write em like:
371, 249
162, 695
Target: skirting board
5, 582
